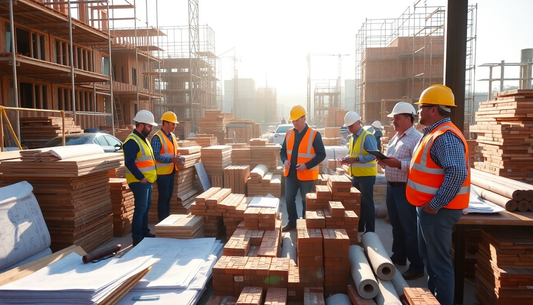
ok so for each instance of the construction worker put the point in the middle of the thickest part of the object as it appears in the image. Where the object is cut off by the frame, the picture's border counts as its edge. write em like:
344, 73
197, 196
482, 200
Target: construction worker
439, 186
167, 159
402, 215
362, 168
377, 133
301, 153
140, 173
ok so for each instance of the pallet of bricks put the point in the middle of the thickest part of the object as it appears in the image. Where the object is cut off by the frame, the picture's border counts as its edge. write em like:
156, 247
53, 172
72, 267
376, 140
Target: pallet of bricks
504, 269
504, 128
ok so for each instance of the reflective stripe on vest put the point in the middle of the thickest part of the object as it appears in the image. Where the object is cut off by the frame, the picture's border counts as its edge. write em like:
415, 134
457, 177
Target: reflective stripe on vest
169, 150
425, 176
306, 153
144, 161
359, 169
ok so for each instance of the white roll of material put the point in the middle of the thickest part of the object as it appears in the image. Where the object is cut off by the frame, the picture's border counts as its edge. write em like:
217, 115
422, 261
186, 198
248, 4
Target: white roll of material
339, 299
399, 283
378, 257
288, 247
387, 294
362, 274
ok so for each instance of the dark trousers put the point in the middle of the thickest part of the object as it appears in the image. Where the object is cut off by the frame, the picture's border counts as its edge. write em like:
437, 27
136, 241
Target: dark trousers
142, 193
367, 219
165, 188
292, 185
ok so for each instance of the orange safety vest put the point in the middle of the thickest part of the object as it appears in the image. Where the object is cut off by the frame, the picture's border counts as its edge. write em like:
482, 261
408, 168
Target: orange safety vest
306, 153
144, 161
168, 149
425, 177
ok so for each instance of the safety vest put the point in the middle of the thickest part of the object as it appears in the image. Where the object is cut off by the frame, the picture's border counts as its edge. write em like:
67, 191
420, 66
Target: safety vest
168, 149
425, 177
144, 161
306, 153
359, 169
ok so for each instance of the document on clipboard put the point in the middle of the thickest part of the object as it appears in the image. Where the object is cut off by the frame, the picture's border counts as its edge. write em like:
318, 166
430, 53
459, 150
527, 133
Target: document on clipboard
378, 154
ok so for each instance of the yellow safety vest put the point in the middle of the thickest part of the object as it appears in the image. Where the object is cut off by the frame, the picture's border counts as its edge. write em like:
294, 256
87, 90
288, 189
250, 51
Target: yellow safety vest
359, 169
144, 161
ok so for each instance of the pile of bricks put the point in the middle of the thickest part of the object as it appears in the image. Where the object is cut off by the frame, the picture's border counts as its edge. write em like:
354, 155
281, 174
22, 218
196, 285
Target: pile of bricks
205, 205
261, 182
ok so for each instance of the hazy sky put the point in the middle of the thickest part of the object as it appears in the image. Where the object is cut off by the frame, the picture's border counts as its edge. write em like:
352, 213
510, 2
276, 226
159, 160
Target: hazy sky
272, 38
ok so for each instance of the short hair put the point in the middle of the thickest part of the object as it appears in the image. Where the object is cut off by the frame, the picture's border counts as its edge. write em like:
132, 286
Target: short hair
410, 115
443, 112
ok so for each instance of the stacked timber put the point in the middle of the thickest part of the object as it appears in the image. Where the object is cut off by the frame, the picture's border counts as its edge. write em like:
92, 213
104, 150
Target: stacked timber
241, 154
215, 159
204, 140
332, 136
505, 134
206, 205
214, 122
240, 131
73, 194
183, 129
232, 209
120, 133
181, 226
335, 117
264, 153
235, 177
36, 131
262, 182
509, 194
504, 269
122, 206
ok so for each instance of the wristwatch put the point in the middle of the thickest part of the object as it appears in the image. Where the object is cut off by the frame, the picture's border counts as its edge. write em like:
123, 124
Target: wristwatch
357, 159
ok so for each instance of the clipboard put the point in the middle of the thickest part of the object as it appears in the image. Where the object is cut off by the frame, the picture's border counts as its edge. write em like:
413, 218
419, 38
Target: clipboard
378, 154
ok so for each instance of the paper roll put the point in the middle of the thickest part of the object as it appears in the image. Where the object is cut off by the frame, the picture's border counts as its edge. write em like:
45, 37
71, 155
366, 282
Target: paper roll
362, 275
377, 256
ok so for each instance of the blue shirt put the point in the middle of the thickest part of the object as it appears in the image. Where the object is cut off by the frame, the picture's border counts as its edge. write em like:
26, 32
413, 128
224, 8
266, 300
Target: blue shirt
448, 152
131, 149
318, 145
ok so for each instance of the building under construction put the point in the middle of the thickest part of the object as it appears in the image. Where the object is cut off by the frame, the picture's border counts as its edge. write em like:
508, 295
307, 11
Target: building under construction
396, 59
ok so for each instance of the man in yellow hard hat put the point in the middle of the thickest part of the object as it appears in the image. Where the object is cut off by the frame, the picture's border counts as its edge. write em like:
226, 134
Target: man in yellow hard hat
301, 153
438, 185
140, 173
167, 158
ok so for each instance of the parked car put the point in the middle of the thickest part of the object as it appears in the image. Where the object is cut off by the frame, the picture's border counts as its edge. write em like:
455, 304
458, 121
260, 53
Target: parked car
278, 136
108, 142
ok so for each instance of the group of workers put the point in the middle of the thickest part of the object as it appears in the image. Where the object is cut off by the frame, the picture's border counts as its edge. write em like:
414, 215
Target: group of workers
428, 181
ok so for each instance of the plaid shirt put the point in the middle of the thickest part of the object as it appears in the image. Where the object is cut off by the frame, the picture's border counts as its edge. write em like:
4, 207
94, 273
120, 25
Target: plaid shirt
448, 152
401, 147
156, 146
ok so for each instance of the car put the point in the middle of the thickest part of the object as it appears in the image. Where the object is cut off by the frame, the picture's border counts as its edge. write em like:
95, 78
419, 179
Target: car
278, 136
108, 142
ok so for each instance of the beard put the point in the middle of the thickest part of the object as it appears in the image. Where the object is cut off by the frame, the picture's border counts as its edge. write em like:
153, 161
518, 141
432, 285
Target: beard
146, 131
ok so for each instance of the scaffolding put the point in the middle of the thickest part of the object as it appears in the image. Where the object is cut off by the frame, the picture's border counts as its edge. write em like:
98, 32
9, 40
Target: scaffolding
397, 58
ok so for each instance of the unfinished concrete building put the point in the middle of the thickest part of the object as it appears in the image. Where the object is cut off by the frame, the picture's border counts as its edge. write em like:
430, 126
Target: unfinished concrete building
396, 59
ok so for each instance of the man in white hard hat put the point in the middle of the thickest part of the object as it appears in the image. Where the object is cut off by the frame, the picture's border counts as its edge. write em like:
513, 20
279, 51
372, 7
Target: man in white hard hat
362, 168
301, 153
167, 158
140, 173
377, 133
402, 214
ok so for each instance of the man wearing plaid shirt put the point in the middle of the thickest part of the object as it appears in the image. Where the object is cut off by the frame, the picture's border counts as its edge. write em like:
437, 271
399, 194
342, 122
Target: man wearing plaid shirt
402, 214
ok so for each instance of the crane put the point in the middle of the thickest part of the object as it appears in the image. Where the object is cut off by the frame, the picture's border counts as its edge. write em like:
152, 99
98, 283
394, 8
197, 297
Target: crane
338, 85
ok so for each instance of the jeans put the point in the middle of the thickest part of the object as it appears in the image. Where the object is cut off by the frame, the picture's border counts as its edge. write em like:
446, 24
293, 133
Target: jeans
292, 185
367, 219
434, 243
142, 193
402, 216
165, 188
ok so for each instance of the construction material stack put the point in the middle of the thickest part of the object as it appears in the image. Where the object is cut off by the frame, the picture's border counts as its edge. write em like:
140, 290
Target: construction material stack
214, 122
36, 131
263, 182
215, 159
122, 205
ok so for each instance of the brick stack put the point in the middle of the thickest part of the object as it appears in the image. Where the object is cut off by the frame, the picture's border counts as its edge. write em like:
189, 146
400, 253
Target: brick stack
276, 296
504, 270
221, 300
419, 296
309, 245
235, 178
215, 159
213, 223
251, 296
228, 275
122, 206
232, 209
336, 260
313, 297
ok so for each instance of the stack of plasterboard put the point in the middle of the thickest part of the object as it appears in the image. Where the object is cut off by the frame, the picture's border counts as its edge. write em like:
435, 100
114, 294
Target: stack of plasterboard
180, 226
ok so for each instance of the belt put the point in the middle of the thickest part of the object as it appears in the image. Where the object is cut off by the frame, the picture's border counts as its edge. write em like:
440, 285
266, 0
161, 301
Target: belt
393, 184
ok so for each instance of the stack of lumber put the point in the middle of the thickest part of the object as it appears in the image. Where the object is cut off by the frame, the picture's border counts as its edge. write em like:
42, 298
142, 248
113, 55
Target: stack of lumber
240, 131
215, 159
235, 177
332, 136
505, 134
204, 140
214, 122
508, 193
119, 172
335, 117
122, 206
267, 154
186, 143
183, 129
181, 226
232, 209
241, 155
206, 205
74, 197
504, 270
36, 131
120, 133
262, 182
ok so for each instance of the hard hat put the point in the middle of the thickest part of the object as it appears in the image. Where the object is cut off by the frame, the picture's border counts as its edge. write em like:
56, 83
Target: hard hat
146, 117
169, 116
437, 95
402, 107
350, 118
297, 112
376, 124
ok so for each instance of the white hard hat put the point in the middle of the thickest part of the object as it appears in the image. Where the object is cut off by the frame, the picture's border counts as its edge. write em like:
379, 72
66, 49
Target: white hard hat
402, 107
377, 124
146, 117
350, 118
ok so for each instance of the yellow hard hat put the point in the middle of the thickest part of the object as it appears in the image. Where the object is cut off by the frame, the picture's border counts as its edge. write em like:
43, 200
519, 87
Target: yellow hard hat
297, 112
437, 95
170, 116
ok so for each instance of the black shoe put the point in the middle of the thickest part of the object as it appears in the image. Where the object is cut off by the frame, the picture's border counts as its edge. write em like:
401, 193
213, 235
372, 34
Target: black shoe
288, 228
149, 235
412, 275
135, 243
397, 262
